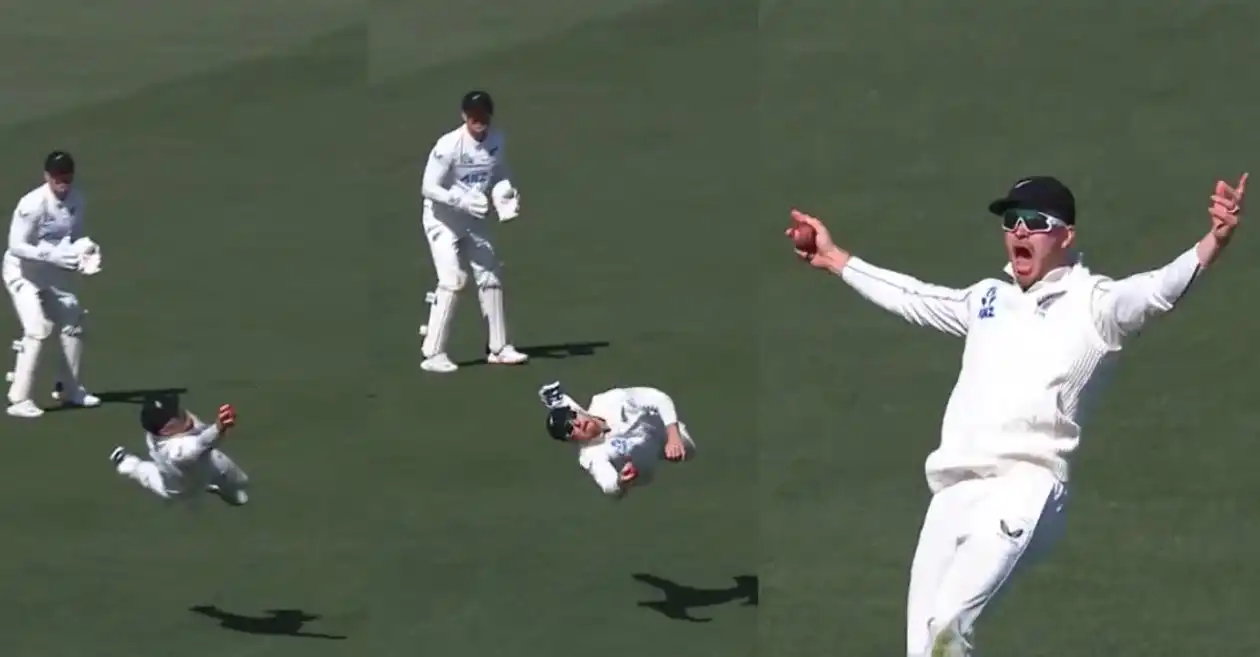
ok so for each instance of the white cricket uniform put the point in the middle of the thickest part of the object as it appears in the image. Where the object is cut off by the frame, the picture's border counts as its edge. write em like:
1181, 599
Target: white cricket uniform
41, 291
185, 465
637, 418
1031, 364
459, 164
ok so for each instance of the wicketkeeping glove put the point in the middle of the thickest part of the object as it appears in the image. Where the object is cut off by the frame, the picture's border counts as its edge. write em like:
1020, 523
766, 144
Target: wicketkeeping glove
61, 255
473, 202
507, 201
89, 256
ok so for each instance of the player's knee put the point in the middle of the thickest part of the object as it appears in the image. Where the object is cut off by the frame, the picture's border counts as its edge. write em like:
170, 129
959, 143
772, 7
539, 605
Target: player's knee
453, 282
947, 637
39, 330
70, 315
488, 278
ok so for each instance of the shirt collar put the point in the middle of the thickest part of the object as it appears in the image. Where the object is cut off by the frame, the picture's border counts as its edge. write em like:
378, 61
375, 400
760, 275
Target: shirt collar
1075, 261
468, 133
48, 194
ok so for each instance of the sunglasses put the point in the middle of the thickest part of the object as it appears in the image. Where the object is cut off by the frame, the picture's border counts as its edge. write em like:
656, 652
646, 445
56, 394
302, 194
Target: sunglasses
1033, 221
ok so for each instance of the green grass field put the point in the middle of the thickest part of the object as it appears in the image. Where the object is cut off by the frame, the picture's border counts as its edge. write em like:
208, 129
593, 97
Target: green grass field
252, 171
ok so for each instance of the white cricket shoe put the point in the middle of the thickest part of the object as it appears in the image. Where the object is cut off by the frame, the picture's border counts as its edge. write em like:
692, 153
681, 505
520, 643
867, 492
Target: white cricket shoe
439, 363
117, 456
25, 408
79, 397
507, 356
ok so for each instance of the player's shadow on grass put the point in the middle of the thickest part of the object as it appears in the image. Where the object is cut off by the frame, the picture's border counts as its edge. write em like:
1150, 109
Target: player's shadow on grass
136, 397
277, 622
552, 351
680, 599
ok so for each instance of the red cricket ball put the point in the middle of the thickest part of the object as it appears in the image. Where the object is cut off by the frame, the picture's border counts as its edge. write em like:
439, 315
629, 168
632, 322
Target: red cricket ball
803, 236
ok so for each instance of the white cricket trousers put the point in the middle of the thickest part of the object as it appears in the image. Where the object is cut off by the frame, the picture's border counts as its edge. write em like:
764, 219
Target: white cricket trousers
455, 238
214, 468
43, 307
977, 533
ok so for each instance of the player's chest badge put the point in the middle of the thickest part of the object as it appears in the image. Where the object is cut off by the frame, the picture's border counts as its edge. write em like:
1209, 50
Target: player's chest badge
1046, 301
620, 446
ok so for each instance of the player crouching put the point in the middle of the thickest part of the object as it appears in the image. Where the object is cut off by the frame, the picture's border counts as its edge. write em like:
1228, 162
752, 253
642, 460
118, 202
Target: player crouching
623, 434
185, 459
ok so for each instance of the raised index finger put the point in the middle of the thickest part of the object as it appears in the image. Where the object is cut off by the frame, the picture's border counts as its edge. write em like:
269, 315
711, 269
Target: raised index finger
1242, 185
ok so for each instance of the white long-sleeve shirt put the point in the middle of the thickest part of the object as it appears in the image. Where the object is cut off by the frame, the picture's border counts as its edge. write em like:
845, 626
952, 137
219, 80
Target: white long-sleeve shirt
637, 418
1032, 359
459, 162
40, 222
185, 458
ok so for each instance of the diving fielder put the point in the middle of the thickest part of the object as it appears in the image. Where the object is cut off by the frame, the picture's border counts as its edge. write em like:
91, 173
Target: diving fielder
623, 434
47, 247
1034, 345
466, 174
184, 456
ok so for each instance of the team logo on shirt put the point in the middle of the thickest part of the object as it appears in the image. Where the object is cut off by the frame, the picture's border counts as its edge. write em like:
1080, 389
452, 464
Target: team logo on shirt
1044, 303
620, 446
987, 303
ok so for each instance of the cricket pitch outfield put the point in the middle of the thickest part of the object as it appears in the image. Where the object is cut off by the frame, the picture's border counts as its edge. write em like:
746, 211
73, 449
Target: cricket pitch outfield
251, 173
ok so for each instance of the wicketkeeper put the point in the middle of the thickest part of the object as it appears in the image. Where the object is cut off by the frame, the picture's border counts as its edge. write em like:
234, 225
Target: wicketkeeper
47, 247
465, 166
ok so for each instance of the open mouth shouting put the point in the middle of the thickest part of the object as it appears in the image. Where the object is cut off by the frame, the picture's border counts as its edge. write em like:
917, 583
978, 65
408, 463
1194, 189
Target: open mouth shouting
1021, 255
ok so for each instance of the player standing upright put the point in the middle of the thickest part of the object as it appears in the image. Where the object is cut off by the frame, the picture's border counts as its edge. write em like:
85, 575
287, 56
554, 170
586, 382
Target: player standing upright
46, 248
1034, 345
466, 172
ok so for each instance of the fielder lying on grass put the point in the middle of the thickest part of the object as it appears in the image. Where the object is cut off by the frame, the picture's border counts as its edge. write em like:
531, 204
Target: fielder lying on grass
623, 434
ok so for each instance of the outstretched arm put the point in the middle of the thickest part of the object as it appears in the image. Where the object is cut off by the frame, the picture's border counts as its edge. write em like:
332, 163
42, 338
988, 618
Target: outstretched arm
189, 448
1121, 308
922, 304
942, 308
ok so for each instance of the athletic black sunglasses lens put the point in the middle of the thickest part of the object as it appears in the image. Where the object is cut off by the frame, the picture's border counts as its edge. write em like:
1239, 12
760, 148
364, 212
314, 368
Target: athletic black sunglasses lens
1034, 221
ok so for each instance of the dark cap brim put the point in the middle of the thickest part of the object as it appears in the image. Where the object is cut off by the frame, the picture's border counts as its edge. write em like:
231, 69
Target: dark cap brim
1000, 206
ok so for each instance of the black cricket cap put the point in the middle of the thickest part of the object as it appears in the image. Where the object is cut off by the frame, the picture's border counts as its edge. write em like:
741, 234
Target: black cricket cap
1042, 194
59, 163
477, 102
560, 422
157, 411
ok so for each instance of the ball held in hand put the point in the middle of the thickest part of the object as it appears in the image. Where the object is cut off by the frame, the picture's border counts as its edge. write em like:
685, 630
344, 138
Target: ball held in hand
803, 236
